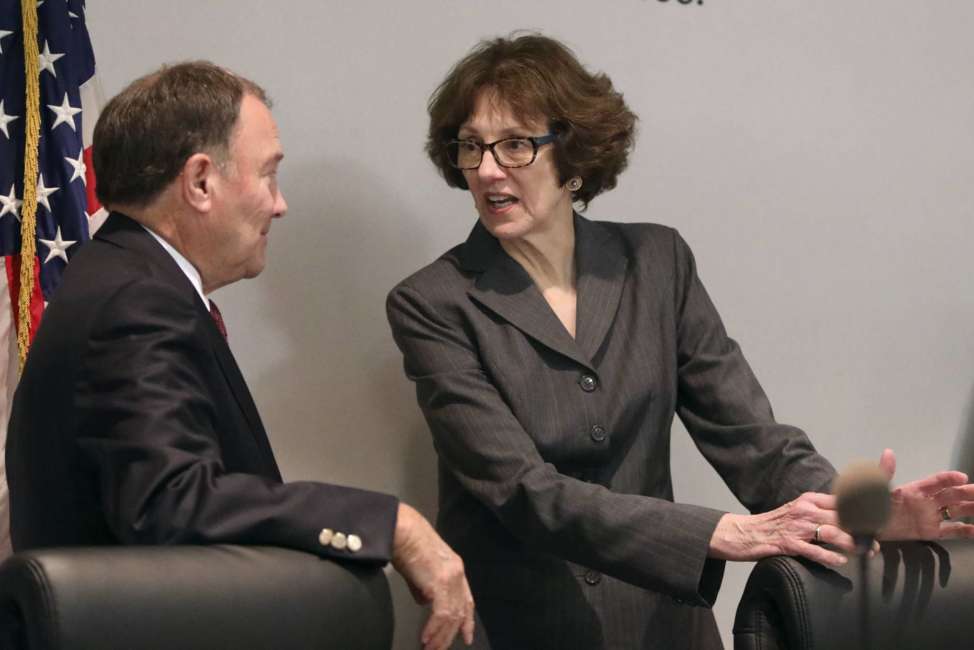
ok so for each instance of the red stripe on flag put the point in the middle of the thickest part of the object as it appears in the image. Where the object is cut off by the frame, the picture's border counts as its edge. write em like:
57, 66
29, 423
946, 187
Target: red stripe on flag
13, 282
93, 204
36, 301
36, 298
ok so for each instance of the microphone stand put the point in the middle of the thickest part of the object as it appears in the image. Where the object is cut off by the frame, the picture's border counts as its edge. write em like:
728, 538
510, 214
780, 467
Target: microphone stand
863, 544
863, 503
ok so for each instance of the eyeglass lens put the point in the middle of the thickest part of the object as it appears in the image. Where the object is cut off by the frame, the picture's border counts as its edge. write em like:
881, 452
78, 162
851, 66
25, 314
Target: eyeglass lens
512, 152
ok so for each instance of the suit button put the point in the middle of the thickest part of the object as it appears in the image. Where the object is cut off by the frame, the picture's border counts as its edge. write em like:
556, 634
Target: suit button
339, 541
598, 433
588, 383
354, 543
593, 577
324, 537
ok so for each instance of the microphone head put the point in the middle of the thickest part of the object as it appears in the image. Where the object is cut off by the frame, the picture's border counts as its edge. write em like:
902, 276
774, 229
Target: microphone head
863, 499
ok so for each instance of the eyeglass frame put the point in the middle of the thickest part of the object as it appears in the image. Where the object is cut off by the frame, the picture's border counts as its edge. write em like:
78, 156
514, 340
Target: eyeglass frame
537, 141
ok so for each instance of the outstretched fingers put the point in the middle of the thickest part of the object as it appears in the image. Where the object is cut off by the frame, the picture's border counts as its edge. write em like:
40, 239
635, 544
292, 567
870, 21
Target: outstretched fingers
954, 496
956, 529
934, 484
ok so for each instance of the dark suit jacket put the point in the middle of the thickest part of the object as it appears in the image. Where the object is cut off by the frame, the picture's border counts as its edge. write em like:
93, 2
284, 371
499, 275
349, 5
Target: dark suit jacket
133, 425
554, 452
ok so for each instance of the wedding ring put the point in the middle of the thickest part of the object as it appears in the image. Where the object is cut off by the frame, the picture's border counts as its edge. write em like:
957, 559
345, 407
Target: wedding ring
945, 513
818, 533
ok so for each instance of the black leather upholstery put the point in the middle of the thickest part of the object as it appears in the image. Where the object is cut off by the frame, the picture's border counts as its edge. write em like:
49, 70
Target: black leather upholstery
921, 597
190, 597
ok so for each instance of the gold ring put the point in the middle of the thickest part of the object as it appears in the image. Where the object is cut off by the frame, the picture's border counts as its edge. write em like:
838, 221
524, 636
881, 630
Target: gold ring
945, 513
818, 533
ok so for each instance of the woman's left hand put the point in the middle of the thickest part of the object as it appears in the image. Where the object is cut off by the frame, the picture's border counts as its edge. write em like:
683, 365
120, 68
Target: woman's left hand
925, 509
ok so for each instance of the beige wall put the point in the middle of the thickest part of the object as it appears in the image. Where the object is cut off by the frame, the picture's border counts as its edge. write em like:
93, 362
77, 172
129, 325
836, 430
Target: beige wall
818, 156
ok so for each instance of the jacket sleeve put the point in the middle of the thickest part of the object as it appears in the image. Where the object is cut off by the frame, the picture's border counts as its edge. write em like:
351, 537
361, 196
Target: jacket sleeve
727, 413
149, 426
650, 542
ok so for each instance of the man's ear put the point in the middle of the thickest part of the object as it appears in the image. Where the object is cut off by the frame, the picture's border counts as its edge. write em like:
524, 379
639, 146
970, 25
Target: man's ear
197, 181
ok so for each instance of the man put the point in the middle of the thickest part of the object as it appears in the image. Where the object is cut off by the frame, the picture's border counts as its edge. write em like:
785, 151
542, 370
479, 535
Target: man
132, 423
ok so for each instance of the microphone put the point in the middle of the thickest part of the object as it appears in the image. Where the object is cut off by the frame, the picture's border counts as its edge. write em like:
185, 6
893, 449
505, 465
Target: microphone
863, 502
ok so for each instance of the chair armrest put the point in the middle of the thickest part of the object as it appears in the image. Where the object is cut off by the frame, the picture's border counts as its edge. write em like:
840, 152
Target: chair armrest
920, 596
189, 597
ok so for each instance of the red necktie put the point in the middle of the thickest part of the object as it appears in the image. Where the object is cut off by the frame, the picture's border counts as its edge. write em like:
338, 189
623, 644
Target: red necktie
218, 318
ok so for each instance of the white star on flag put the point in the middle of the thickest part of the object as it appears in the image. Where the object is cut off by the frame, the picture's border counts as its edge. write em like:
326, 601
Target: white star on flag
5, 120
58, 247
3, 34
11, 204
44, 192
79, 167
47, 58
65, 113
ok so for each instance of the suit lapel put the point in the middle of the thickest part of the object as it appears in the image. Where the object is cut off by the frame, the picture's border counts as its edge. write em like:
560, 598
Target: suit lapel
122, 231
506, 289
238, 386
600, 263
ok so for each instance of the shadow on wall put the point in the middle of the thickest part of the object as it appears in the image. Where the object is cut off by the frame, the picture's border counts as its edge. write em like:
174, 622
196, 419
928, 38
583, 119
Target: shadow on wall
964, 447
336, 403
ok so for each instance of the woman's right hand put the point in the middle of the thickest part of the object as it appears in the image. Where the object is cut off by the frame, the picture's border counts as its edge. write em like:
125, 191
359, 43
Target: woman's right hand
788, 530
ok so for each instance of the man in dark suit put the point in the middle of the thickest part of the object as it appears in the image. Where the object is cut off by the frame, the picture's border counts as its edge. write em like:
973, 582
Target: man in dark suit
132, 423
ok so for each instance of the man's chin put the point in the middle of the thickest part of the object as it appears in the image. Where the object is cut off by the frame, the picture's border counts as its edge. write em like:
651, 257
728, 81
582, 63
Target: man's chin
254, 270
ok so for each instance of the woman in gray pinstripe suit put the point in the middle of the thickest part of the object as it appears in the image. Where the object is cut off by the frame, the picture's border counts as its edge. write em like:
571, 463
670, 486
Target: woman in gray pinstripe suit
550, 354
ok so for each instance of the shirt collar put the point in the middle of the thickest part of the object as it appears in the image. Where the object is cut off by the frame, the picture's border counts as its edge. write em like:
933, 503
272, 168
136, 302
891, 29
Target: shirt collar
184, 264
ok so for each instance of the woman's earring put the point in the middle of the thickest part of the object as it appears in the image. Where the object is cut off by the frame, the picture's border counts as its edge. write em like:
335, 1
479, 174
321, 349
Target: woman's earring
574, 183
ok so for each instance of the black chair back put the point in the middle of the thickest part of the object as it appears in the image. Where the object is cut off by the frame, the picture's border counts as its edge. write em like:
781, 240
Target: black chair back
190, 597
921, 597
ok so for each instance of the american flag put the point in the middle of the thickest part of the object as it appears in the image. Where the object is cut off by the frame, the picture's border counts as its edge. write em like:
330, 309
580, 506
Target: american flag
67, 211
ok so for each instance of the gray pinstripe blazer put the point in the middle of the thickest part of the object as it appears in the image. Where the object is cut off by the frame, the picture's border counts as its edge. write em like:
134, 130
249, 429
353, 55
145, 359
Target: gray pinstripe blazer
553, 452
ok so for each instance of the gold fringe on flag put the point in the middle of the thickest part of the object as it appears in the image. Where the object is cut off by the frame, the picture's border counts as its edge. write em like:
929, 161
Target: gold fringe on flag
28, 215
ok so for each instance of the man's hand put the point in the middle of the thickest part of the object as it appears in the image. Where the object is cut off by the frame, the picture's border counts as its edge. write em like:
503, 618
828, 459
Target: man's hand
435, 575
918, 507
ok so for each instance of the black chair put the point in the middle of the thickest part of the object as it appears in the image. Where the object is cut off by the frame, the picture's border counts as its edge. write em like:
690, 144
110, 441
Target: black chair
921, 597
190, 597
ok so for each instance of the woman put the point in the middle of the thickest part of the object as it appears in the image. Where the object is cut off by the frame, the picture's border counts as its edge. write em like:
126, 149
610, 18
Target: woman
550, 354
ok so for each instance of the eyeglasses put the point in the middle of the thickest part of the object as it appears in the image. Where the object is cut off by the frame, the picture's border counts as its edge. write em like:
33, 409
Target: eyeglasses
509, 152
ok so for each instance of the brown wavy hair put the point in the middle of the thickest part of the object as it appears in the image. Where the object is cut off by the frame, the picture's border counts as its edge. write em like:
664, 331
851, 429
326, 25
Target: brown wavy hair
538, 78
